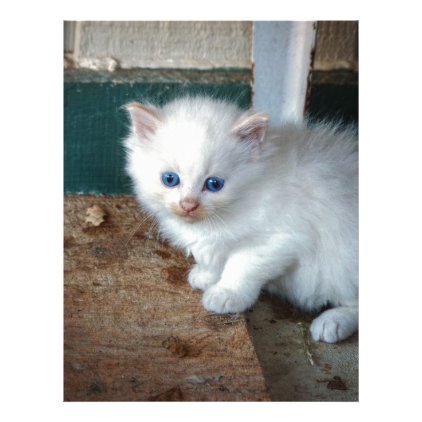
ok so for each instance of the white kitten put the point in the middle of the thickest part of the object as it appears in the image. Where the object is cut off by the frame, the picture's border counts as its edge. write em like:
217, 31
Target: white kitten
257, 208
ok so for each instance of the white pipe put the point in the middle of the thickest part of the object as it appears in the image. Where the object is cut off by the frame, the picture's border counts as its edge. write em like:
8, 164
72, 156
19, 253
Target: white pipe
282, 57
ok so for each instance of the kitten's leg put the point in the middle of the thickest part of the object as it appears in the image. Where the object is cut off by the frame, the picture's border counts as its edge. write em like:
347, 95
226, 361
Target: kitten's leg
245, 273
201, 277
335, 324
208, 268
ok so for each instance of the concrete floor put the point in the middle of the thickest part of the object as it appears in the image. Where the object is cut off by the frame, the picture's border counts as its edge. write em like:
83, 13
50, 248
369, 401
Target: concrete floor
294, 368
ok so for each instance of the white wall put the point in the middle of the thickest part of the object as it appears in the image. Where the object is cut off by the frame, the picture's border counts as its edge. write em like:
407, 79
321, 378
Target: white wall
164, 44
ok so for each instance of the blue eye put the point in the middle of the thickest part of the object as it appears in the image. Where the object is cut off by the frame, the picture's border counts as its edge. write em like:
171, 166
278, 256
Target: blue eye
170, 179
214, 184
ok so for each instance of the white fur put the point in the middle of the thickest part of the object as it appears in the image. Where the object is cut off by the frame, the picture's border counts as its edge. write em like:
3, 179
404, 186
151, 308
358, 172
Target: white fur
286, 219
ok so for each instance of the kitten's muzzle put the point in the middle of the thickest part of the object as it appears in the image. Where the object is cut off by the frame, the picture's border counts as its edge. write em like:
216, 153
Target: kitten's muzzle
190, 209
189, 204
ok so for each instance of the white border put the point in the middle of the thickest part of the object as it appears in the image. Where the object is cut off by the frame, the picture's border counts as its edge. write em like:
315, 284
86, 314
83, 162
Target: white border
31, 213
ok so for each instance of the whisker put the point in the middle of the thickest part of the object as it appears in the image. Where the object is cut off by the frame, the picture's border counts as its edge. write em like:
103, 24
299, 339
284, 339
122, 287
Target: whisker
141, 222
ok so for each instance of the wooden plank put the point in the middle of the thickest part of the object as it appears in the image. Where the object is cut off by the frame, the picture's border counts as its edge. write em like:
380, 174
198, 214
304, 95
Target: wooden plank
134, 329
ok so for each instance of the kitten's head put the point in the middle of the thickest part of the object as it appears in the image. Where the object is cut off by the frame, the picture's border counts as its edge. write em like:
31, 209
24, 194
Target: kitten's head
194, 158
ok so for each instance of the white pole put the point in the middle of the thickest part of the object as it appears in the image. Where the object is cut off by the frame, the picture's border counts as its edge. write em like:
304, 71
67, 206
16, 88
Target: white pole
282, 56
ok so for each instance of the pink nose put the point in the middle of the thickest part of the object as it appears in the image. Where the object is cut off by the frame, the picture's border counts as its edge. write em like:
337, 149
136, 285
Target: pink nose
189, 204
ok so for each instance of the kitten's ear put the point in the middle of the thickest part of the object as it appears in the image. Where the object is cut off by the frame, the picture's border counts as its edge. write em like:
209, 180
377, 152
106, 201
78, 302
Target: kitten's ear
144, 119
251, 127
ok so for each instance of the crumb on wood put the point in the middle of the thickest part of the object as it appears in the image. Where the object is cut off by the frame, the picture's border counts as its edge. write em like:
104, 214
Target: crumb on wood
95, 215
199, 379
196, 379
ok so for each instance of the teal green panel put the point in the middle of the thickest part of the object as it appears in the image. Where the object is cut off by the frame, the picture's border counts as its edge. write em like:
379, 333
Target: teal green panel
95, 124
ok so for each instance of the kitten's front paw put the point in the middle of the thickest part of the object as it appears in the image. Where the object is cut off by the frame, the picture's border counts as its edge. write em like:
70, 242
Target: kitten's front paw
222, 300
201, 279
334, 325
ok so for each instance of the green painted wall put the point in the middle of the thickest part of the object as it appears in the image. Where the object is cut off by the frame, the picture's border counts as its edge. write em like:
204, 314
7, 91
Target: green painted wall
334, 96
95, 123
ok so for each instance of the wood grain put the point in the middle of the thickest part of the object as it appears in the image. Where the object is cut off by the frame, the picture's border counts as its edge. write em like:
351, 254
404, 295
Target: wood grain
134, 329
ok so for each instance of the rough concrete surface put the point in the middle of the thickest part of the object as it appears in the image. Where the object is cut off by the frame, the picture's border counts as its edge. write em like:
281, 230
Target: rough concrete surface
163, 44
296, 369
135, 330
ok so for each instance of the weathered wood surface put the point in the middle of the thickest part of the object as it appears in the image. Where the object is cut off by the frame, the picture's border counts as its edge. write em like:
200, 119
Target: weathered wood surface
134, 329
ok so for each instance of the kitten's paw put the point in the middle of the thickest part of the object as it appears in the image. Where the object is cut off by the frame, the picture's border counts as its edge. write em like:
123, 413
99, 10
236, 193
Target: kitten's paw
201, 279
222, 300
334, 325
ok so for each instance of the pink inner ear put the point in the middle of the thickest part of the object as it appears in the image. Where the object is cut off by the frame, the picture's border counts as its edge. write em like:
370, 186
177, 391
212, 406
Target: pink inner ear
252, 128
144, 119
